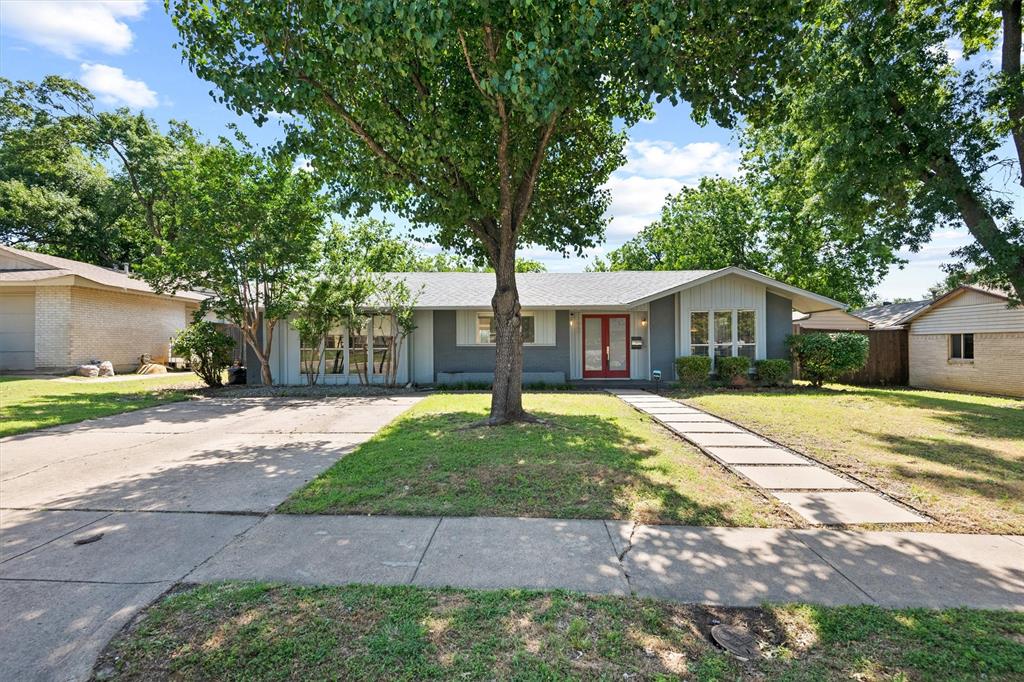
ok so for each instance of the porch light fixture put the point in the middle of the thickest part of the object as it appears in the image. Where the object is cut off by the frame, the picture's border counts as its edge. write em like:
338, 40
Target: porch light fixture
643, 321
572, 319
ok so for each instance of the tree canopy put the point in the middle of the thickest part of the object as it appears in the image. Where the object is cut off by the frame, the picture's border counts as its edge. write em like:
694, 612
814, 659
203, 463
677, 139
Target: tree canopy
493, 124
881, 132
80, 183
721, 223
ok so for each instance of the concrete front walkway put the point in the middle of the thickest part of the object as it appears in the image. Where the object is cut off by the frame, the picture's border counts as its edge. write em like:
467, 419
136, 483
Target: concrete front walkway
812, 490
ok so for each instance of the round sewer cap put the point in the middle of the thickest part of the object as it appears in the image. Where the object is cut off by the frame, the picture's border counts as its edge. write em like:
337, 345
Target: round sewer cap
737, 641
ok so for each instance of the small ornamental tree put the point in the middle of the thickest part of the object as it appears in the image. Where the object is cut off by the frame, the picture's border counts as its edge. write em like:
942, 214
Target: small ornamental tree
495, 125
247, 227
826, 357
208, 350
396, 303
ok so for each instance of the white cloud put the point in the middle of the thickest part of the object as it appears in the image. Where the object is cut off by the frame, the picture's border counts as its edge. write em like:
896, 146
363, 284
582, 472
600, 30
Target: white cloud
111, 86
634, 195
67, 27
658, 158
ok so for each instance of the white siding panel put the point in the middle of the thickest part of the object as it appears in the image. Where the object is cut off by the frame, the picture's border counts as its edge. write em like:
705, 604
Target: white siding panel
992, 316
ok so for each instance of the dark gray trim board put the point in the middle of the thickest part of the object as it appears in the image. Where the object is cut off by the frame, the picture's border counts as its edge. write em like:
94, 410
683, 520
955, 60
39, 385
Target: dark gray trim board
662, 336
450, 358
778, 325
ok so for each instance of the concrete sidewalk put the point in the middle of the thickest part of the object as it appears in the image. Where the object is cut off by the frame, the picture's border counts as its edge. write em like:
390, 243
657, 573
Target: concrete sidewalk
142, 554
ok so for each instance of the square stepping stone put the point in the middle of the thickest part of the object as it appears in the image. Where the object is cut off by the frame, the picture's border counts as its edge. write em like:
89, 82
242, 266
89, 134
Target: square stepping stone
726, 439
795, 478
706, 427
845, 508
686, 418
756, 456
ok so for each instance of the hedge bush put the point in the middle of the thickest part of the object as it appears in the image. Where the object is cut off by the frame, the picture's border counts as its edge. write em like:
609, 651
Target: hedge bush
731, 367
826, 357
693, 370
773, 372
207, 349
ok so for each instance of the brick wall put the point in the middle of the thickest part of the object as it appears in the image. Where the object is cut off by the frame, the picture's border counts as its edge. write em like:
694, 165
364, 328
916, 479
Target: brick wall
53, 326
121, 327
997, 366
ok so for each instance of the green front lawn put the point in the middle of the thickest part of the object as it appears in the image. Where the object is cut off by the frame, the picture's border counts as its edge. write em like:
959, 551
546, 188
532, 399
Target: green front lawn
29, 404
959, 457
596, 457
266, 632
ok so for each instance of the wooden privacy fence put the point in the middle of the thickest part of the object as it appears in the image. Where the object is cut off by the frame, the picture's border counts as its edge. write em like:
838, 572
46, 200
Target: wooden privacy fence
888, 358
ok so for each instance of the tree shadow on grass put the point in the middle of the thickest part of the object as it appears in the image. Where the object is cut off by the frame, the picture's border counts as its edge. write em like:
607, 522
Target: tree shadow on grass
572, 466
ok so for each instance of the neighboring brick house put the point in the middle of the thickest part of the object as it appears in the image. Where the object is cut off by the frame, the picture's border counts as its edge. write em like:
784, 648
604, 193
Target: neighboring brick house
968, 340
56, 314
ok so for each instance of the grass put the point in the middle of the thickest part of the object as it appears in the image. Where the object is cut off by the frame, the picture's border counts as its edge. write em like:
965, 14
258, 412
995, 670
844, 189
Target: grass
956, 456
29, 404
269, 632
595, 458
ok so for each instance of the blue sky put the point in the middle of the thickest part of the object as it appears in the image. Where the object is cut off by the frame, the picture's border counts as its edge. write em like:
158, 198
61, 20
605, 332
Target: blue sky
123, 50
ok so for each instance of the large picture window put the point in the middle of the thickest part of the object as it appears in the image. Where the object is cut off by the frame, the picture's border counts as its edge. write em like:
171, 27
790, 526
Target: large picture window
485, 332
727, 332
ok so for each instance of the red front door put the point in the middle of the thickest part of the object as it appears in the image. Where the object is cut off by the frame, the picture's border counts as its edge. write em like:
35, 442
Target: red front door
606, 346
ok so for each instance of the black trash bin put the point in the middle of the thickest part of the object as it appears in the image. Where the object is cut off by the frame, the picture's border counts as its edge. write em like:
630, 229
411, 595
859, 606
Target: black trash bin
236, 375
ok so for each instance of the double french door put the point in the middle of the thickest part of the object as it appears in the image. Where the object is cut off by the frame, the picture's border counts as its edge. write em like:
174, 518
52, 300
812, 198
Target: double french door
606, 346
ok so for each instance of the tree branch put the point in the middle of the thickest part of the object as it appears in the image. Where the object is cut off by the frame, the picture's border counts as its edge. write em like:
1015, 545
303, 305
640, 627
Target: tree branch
1010, 68
529, 182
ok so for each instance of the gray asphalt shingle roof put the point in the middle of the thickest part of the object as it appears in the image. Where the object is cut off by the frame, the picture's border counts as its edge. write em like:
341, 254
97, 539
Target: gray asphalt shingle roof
54, 266
545, 289
892, 314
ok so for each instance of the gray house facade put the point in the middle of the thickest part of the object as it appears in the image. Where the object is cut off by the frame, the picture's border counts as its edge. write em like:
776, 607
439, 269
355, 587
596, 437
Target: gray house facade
577, 327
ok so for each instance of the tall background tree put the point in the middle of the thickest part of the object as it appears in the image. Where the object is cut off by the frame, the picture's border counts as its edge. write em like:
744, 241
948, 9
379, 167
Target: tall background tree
490, 123
883, 132
742, 223
80, 183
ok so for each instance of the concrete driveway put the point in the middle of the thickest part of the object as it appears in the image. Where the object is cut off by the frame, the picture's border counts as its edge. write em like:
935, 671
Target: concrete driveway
168, 487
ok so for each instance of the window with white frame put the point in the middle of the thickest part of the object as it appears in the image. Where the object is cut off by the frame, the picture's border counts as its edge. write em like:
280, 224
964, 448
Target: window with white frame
309, 355
357, 350
727, 333
699, 333
486, 334
746, 333
334, 351
383, 343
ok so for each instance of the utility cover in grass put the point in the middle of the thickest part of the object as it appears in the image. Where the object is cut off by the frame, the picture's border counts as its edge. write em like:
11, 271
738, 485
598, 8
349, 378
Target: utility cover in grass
738, 641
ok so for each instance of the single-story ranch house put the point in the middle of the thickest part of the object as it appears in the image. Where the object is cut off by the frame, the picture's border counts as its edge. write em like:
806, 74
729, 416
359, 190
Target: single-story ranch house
56, 314
576, 326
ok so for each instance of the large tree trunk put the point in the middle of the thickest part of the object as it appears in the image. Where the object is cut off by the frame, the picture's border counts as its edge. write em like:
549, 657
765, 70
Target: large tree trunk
507, 392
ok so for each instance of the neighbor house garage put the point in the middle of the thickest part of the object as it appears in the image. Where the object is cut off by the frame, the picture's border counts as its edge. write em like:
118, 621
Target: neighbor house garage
56, 314
968, 340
